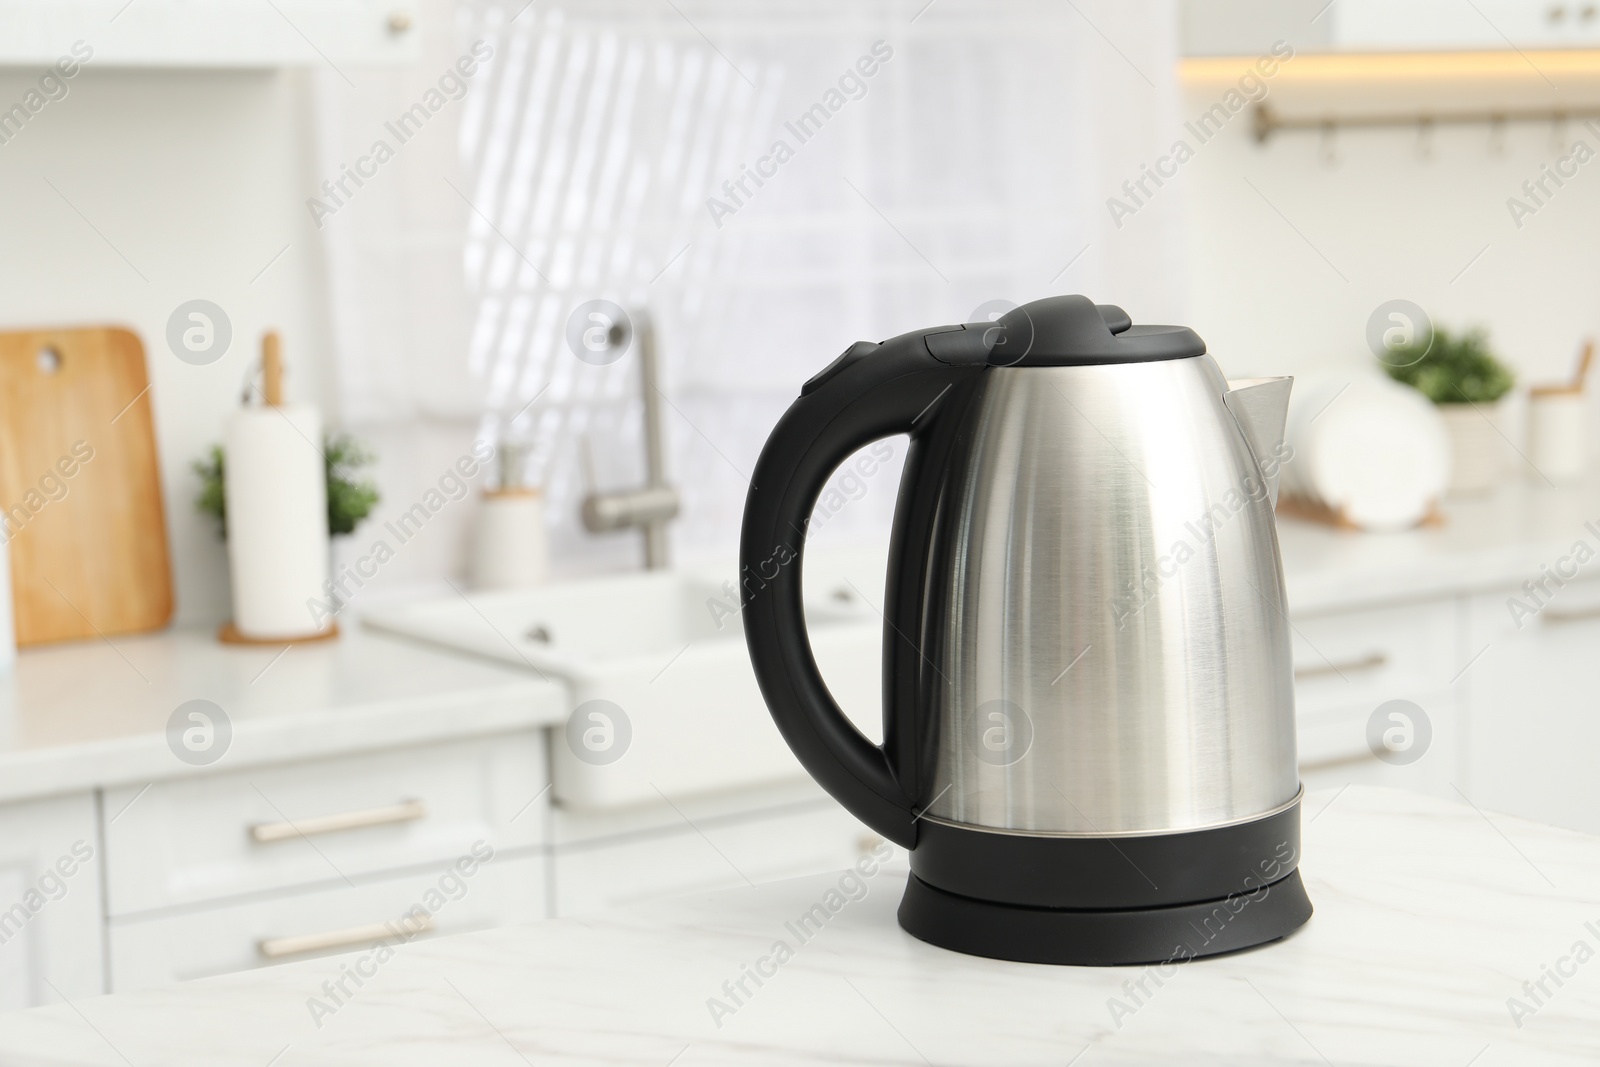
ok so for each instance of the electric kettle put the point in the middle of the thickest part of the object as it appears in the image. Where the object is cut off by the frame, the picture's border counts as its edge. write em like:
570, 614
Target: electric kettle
1088, 704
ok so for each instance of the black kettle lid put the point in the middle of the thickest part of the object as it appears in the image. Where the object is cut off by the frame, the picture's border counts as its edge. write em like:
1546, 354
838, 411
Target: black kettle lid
1074, 331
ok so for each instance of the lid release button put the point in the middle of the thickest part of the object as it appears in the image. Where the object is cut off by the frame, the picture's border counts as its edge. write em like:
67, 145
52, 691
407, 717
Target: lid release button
846, 358
965, 346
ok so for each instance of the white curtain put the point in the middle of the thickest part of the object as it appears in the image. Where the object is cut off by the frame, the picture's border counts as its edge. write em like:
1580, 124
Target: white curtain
972, 164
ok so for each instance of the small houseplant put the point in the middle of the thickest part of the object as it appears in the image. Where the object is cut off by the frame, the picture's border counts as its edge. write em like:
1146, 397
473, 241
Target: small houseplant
351, 498
1463, 377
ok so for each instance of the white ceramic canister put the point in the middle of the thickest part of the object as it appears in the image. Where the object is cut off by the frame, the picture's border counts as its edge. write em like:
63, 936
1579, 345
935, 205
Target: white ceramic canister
511, 547
1558, 435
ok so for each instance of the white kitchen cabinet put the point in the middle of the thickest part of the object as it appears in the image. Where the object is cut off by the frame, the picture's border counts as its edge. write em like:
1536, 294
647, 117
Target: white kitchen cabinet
214, 836
201, 942
1251, 27
211, 33
1350, 663
709, 854
1335, 751
1535, 708
1367, 656
50, 910
570, 826
205, 867
1434, 774
360, 761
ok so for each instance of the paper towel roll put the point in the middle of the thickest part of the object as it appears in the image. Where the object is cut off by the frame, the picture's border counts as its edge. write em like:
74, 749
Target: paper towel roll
277, 521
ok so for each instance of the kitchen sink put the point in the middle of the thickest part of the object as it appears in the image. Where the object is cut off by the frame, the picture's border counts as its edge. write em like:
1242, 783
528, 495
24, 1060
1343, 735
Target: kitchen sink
664, 702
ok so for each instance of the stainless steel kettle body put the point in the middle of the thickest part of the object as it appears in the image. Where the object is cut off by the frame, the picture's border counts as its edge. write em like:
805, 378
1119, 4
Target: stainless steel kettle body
1112, 649
1088, 704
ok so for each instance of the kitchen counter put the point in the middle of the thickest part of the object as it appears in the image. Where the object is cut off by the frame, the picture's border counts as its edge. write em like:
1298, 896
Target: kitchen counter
1430, 915
1495, 541
95, 713
1498, 540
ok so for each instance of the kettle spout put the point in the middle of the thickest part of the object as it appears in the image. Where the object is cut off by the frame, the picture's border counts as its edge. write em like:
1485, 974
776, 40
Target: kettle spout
1261, 407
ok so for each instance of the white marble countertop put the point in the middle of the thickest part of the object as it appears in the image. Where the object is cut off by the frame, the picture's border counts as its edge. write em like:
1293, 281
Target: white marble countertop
94, 713
1495, 541
1429, 916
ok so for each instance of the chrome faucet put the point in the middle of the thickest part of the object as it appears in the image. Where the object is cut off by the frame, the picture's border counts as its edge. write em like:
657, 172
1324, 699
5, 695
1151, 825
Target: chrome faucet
655, 505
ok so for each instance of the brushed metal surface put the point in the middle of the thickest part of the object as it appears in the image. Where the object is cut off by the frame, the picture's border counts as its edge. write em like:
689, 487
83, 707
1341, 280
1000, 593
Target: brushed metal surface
1096, 835
1112, 649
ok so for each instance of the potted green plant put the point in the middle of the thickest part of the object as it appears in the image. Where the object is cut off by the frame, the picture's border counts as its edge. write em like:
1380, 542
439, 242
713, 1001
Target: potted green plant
351, 498
1462, 376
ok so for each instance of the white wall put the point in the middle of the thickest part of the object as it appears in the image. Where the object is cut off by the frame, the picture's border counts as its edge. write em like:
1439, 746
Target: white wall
199, 180
1383, 221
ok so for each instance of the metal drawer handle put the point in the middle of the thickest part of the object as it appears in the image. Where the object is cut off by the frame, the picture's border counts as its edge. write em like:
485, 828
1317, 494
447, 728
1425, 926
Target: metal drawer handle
1370, 662
406, 928
405, 811
1571, 614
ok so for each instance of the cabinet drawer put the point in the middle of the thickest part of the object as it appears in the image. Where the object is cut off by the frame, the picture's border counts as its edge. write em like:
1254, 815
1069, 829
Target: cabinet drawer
672, 814
1535, 706
1362, 658
216, 836
1332, 736
1340, 734
1334, 751
50, 911
1432, 776
716, 856
453, 899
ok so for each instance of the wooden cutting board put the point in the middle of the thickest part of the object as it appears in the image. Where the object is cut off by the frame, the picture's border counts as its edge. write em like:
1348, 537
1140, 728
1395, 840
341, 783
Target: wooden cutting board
80, 486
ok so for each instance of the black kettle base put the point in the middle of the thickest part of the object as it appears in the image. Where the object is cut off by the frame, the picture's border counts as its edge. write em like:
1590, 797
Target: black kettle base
1104, 938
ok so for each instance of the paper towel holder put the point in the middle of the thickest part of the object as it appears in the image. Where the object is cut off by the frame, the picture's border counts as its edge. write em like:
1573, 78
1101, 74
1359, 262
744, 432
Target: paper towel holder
269, 369
272, 396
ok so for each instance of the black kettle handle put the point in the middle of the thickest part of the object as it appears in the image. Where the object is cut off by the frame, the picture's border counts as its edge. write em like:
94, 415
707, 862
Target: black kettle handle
869, 393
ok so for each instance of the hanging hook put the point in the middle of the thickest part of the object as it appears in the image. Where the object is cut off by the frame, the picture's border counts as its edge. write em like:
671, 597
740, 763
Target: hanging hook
1329, 145
1425, 137
1262, 123
1497, 134
1558, 131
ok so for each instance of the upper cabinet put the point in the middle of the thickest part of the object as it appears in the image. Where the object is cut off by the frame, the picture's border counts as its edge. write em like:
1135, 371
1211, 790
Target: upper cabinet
1249, 27
209, 33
